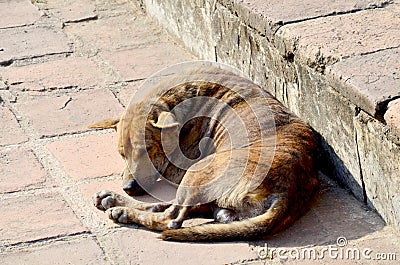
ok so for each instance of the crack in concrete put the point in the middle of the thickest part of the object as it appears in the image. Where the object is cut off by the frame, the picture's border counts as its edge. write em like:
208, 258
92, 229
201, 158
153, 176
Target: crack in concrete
44, 241
364, 191
6, 62
17, 26
339, 13
11, 61
69, 100
378, 50
85, 19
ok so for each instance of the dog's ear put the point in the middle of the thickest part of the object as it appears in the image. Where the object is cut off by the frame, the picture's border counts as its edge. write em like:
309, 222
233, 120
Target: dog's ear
169, 131
166, 120
106, 124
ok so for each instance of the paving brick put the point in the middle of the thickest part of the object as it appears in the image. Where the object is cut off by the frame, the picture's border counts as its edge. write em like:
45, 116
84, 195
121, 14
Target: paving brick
117, 8
89, 189
115, 32
64, 73
70, 10
18, 13
27, 42
370, 80
140, 63
329, 39
380, 242
10, 132
20, 170
88, 157
142, 247
82, 251
69, 113
392, 116
36, 216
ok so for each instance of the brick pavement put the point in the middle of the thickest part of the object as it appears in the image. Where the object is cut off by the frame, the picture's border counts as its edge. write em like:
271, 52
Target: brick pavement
67, 64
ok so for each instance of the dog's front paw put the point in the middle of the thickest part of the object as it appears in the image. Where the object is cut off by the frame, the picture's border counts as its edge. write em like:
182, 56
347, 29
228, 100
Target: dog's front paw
105, 199
118, 214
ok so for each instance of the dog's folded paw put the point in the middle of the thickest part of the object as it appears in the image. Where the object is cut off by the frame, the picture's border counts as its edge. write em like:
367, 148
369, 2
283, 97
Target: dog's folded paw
104, 200
118, 214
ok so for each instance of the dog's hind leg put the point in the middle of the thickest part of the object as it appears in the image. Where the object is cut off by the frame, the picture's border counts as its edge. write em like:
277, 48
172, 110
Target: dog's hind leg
182, 214
223, 215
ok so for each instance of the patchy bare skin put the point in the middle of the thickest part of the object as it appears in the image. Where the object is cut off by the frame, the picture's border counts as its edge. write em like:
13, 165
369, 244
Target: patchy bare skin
244, 212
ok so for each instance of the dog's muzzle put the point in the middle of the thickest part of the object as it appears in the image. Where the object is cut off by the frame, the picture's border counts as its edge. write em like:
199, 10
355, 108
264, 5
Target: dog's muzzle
132, 188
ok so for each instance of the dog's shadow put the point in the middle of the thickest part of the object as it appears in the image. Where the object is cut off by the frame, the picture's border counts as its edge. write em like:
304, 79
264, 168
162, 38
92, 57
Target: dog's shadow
335, 213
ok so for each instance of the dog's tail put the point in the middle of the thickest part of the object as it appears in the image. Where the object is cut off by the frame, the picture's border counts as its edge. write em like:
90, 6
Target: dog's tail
272, 221
106, 124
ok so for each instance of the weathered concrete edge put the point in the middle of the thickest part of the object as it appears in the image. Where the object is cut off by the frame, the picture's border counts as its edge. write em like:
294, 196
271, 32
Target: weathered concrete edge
362, 153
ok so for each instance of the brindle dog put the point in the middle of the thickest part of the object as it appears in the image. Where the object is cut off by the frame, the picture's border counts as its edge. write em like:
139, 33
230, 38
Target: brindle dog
270, 180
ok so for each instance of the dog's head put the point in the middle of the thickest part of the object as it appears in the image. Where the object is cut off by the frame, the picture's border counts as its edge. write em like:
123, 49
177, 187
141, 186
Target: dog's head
145, 142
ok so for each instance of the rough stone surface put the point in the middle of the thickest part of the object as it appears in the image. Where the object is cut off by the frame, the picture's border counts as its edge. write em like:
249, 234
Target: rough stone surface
381, 181
370, 81
82, 251
69, 72
338, 135
18, 13
20, 170
392, 116
28, 42
34, 217
69, 113
10, 131
327, 40
88, 157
